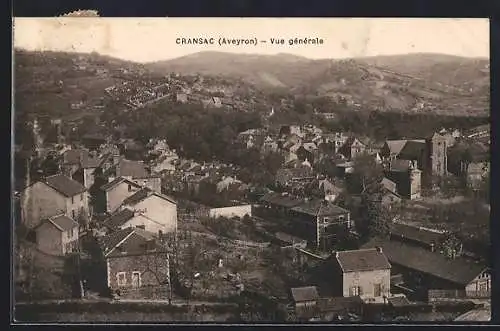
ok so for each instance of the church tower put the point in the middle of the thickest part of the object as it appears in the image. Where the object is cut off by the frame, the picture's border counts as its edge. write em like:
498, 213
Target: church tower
438, 155
415, 181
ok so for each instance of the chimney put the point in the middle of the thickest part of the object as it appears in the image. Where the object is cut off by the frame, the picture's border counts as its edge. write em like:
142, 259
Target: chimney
433, 248
379, 249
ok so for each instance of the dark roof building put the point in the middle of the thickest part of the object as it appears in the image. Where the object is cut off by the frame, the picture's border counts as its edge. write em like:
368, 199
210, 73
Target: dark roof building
128, 168
116, 181
319, 208
65, 185
117, 219
61, 222
416, 235
362, 260
129, 241
281, 200
457, 271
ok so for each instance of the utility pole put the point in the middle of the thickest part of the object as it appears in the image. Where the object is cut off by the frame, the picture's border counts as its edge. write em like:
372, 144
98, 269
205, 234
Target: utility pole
169, 280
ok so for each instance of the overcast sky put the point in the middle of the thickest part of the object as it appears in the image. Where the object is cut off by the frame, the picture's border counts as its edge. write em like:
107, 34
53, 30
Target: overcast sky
152, 39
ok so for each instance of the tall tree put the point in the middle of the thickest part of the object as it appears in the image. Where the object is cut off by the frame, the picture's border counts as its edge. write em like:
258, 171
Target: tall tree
366, 172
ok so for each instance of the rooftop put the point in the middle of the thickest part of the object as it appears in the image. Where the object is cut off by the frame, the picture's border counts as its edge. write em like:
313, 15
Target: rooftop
362, 260
416, 234
119, 218
134, 169
62, 222
129, 241
458, 270
65, 185
117, 181
319, 207
279, 199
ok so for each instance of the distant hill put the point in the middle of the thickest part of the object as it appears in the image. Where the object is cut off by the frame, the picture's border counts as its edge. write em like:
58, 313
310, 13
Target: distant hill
450, 84
288, 68
446, 69
266, 70
49, 82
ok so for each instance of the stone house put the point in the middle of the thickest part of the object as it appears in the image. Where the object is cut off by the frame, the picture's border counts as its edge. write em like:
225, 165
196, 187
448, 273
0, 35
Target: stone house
116, 191
54, 195
154, 206
137, 265
127, 218
407, 176
363, 272
352, 148
430, 154
57, 235
305, 299
320, 222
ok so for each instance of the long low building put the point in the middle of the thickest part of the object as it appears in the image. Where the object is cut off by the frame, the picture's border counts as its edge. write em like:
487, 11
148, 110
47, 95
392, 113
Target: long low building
433, 271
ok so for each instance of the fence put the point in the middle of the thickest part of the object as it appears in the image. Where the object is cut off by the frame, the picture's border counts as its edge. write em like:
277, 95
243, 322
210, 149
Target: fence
146, 292
434, 295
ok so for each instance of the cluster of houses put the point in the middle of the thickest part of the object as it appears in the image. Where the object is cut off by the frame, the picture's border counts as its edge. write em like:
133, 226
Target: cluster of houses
139, 95
130, 221
393, 272
106, 188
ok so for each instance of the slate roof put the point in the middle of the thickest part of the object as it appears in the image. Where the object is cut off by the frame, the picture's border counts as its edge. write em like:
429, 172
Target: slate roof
61, 222
307, 293
143, 194
458, 270
128, 241
110, 241
413, 149
138, 196
362, 260
134, 169
395, 146
117, 181
119, 218
318, 207
287, 201
65, 185
416, 234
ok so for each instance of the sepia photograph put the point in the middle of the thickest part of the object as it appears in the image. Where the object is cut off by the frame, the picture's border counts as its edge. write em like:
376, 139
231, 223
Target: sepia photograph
250, 170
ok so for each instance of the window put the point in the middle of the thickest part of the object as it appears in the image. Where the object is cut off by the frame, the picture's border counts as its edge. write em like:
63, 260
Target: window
377, 290
355, 291
136, 279
121, 278
72, 200
129, 187
73, 214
